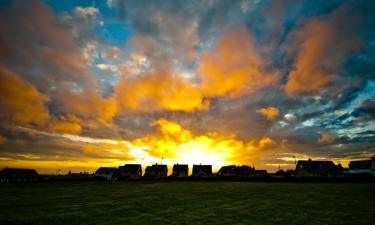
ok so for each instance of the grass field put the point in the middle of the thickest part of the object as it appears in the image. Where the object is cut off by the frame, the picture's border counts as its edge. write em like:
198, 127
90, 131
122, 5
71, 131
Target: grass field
187, 203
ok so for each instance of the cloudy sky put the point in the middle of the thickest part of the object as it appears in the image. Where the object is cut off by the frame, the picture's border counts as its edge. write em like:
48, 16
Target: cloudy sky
85, 84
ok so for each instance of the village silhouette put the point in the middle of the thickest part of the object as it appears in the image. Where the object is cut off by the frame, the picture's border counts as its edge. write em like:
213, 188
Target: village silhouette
305, 170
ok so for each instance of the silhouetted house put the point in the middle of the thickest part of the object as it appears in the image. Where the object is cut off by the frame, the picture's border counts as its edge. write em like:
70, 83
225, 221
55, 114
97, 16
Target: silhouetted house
310, 168
18, 175
260, 173
180, 170
235, 171
202, 170
105, 172
287, 173
362, 167
78, 176
128, 171
156, 171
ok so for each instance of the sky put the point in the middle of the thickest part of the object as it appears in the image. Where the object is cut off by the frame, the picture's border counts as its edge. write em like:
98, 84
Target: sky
85, 84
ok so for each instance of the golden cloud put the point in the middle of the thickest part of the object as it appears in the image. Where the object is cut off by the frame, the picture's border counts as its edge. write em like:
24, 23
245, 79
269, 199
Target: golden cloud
323, 45
89, 107
20, 101
2, 139
158, 91
326, 138
234, 67
179, 145
266, 142
65, 127
270, 113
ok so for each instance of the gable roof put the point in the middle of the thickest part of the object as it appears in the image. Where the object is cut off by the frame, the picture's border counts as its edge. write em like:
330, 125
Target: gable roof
180, 167
207, 169
106, 170
360, 164
132, 168
316, 167
18, 173
159, 168
232, 169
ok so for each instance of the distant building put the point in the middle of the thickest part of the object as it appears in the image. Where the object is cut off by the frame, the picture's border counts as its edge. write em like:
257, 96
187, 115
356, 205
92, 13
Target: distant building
18, 175
128, 171
362, 167
105, 172
78, 176
261, 173
310, 168
202, 170
235, 171
156, 171
180, 170
287, 173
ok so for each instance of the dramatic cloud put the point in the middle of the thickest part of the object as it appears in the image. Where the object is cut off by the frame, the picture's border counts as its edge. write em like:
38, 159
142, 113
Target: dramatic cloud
322, 45
20, 101
66, 127
94, 84
326, 138
270, 113
234, 67
2, 139
86, 11
159, 91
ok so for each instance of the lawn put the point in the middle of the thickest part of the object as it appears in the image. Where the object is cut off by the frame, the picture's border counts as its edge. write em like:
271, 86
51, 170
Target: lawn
187, 203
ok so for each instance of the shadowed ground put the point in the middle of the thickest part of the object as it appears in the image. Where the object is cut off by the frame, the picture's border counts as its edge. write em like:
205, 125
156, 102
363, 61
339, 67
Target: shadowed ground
187, 203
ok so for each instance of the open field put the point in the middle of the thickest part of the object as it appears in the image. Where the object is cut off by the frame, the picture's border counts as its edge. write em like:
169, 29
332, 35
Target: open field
187, 203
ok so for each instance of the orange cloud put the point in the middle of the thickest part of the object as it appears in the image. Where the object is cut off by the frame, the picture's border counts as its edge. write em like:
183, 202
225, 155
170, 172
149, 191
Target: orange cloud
89, 107
177, 144
234, 67
326, 138
2, 139
323, 45
266, 142
158, 91
270, 113
20, 101
66, 127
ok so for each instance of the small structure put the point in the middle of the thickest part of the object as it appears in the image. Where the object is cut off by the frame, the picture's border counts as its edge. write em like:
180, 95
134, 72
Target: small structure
261, 173
105, 172
180, 170
156, 171
310, 168
287, 173
362, 167
18, 175
236, 171
128, 171
202, 170
78, 176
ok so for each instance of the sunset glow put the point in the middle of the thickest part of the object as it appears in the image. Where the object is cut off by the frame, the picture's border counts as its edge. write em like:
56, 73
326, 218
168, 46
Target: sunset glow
105, 83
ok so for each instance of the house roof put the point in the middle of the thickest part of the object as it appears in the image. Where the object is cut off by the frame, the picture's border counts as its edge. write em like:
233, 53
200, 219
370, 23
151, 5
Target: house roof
159, 168
18, 173
203, 168
233, 169
316, 167
228, 169
180, 167
106, 170
130, 167
360, 164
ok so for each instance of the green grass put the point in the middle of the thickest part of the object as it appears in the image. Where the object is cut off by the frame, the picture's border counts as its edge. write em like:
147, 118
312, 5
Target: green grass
187, 203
